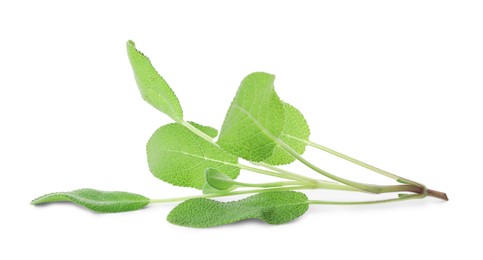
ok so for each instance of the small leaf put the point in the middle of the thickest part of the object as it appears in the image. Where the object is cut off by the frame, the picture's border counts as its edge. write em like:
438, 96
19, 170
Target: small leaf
295, 131
254, 120
207, 189
98, 201
219, 180
178, 156
274, 207
210, 131
152, 86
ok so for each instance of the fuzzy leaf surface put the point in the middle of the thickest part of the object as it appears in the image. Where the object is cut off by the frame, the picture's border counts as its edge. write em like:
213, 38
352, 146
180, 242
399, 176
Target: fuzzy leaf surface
254, 119
152, 86
294, 130
275, 207
208, 130
178, 156
219, 180
98, 201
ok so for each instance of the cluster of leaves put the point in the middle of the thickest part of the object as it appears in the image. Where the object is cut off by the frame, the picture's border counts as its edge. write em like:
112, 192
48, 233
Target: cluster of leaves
260, 128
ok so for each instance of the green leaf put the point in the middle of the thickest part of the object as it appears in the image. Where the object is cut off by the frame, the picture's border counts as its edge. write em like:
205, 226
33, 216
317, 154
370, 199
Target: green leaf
152, 86
295, 131
219, 180
98, 201
254, 119
178, 156
210, 131
207, 189
274, 207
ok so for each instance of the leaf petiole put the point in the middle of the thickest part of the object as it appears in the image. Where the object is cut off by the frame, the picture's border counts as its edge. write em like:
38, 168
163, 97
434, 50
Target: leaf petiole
232, 193
196, 131
407, 197
360, 163
320, 185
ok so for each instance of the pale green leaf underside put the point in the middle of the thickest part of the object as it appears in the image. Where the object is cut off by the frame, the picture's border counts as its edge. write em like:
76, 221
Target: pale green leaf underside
98, 201
208, 130
254, 119
275, 207
178, 156
207, 189
294, 130
152, 86
219, 180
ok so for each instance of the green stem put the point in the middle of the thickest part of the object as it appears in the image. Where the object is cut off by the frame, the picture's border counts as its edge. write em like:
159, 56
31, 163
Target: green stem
326, 185
317, 182
408, 197
294, 177
360, 163
284, 172
268, 184
197, 131
233, 193
362, 186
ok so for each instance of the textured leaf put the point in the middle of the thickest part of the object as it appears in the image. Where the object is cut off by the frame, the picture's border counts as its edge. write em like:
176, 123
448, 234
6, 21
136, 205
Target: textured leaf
210, 131
275, 207
207, 189
152, 86
254, 119
98, 201
178, 156
294, 130
219, 180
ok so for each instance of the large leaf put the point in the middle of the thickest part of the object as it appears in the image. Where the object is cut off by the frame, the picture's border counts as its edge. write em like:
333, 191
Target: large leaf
98, 201
178, 156
254, 119
295, 131
152, 86
275, 207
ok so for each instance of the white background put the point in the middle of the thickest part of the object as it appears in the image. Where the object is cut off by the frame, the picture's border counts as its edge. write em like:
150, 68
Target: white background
394, 83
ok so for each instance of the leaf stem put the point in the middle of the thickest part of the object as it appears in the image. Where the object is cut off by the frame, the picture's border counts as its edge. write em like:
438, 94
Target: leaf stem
268, 184
232, 193
408, 197
362, 186
294, 177
317, 182
360, 163
303, 187
285, 172
197, 131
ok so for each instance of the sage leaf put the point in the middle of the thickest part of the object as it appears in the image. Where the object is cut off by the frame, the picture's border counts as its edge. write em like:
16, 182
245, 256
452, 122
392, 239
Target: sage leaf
208, 189
274, 207
178, 156
152, 86
219, 180
208, 130
254, 119
295, 131
98, 201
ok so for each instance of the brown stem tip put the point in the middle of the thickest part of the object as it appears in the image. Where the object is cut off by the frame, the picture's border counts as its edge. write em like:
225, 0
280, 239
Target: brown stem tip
437, 194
